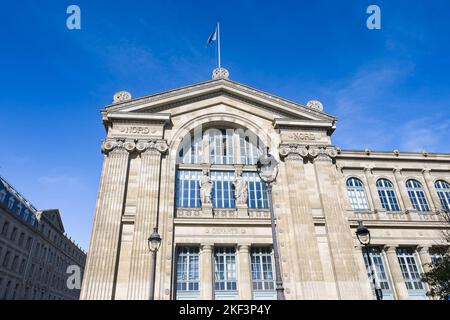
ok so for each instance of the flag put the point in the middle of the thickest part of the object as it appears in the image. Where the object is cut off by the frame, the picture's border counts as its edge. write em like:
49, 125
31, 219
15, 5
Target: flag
212, 37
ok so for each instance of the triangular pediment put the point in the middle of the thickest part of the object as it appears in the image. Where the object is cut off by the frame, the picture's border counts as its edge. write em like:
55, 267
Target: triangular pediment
230, 91
53, 217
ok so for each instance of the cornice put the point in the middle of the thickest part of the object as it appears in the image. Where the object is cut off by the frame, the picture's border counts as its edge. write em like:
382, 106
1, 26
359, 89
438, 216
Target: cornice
392, 155
203, 87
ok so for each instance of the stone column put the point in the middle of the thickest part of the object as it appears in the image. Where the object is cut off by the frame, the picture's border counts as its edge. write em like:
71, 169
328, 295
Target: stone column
372, 186
141, 266
401, 184
306, 257
350, 279
206, 272
425, 258
396, 274
99, 276
245, 278
360, 254
429, 185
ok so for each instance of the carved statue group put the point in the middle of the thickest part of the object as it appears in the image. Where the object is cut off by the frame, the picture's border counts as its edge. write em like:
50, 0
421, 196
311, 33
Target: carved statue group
240, 188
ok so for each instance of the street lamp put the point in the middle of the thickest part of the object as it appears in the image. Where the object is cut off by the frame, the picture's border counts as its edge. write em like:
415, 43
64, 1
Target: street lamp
363, 235
154, 243
267, 167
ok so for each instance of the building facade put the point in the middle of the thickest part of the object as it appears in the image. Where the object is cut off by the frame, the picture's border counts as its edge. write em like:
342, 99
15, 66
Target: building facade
184, 161
35, 252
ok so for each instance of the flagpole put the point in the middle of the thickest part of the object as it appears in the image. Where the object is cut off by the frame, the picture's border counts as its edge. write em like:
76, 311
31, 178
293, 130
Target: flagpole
218, 41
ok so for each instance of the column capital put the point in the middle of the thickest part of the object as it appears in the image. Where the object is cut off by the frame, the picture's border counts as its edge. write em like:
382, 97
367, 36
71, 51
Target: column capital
117, 146
132, 145
426, 172
299, 152
145, 146
322, 153
293, 152
390, 249
423, 248
368, 169
206, 246
243, 247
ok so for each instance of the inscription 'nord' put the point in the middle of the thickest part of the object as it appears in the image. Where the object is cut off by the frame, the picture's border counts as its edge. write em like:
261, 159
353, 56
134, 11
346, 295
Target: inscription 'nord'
300, 136
135, 130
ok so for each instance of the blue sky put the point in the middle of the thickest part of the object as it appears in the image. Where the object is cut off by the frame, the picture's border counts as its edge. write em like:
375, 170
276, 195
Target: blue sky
389, 88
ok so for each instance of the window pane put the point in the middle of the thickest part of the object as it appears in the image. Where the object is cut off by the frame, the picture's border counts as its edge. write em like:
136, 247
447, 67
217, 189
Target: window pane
188, 189
225, 269
187, 272
262, 268
357, 194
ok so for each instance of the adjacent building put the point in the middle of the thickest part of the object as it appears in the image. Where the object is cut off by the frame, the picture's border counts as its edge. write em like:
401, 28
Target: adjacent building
35, 252
176, 161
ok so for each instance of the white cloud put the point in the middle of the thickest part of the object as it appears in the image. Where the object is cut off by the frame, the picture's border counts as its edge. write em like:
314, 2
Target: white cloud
62, 179
430, 133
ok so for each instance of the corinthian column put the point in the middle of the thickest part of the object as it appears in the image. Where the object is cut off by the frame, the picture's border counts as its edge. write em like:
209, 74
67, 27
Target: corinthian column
141, 267
350, 279
99, 277
310, 274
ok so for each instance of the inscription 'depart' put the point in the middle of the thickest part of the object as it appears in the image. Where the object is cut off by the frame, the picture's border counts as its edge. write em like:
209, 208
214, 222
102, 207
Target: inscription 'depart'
135, 130
299, 136
226, 231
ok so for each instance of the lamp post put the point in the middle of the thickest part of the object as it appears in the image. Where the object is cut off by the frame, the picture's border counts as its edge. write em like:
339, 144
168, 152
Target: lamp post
267, 167
363, 235
154, 243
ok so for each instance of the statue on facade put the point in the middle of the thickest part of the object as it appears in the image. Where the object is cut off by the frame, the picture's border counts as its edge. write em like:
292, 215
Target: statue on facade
240, 189
205, 187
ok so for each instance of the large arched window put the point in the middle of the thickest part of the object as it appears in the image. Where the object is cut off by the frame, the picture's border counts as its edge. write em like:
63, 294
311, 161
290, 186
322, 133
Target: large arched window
443, 191
357, 194
387, 195
417, 196
222, 149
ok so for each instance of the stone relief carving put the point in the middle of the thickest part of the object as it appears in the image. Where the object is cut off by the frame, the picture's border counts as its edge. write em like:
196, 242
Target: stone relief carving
220, 73
121, 96
240, 188
225, 214
205, 187
315, 104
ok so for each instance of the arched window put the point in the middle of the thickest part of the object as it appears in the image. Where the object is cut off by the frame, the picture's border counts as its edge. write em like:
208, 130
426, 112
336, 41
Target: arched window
222, 148
357, 194
443, 191
387, 195
417, 196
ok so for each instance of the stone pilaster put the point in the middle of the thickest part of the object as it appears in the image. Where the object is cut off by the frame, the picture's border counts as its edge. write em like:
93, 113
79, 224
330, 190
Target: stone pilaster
372, 186
140, 281
245, 278
206, 272
429, 185
349, 277
396, 274
310, 277
401, 184
425, 257
99, 277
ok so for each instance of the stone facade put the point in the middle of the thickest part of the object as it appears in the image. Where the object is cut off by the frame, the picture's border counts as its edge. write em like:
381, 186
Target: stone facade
319, 253
35, 251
